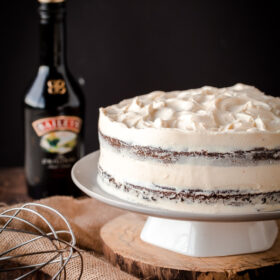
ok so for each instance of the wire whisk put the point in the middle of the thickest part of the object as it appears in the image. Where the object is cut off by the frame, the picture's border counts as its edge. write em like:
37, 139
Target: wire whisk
62, 249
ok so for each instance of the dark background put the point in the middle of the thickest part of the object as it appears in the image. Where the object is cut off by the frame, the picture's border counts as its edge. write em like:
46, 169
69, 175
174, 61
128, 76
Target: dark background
129, 47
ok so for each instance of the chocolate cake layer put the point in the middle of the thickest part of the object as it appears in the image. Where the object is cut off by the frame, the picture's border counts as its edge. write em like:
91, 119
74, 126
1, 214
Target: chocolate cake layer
189, 196
250, 157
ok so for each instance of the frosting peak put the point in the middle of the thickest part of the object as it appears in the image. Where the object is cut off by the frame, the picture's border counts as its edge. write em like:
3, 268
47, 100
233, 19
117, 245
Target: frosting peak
240, 108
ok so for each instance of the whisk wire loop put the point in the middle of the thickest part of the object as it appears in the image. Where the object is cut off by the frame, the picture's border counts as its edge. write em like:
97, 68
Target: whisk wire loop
63, 250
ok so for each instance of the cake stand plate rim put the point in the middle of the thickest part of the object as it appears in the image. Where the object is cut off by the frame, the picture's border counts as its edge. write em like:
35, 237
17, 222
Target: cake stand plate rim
84, 174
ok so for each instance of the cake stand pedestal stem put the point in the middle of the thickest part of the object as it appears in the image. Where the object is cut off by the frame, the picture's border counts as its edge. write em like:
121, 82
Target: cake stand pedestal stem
209, 239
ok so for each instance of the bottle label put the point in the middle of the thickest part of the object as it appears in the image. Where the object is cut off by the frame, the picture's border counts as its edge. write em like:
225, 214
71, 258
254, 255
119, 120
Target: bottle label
58, 134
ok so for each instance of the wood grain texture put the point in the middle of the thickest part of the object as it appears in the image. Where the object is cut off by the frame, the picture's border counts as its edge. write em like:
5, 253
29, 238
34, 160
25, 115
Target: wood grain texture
124, 248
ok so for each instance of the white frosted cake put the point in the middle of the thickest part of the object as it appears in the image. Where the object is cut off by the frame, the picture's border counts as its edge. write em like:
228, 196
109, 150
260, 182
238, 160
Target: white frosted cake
200, 150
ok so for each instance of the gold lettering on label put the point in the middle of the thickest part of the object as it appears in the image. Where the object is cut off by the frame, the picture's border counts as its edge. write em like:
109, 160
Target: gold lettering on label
56, 86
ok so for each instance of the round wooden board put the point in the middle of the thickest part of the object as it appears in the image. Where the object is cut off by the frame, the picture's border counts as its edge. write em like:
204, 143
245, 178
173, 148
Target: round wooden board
123, 247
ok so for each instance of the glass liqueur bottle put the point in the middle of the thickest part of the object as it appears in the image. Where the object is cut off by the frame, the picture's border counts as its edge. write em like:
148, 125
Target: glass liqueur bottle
53, 112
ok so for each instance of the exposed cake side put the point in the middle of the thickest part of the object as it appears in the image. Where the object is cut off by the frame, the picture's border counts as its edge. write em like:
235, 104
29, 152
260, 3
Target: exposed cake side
192, 200
204, 175
238, 157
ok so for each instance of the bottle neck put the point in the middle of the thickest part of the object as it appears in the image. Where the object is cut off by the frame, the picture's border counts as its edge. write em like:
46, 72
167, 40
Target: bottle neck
52, 35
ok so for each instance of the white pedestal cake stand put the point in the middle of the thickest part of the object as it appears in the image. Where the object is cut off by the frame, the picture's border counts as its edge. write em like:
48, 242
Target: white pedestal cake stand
192, 234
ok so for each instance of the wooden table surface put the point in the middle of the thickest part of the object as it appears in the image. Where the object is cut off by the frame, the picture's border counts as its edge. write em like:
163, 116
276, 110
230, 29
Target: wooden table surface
13, 190
12, 186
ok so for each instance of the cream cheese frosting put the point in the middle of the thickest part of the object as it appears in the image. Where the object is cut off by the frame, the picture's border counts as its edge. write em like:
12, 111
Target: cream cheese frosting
241, 116
261, 178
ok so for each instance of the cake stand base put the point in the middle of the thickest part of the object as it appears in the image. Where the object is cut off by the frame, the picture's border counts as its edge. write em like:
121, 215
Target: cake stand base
210, 239
123, 247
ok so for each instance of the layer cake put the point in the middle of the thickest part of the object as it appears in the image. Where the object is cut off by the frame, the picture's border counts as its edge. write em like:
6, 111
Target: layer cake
200, 150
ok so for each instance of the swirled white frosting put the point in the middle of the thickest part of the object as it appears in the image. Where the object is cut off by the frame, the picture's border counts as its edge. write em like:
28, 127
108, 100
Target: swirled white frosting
240, 114
237, 108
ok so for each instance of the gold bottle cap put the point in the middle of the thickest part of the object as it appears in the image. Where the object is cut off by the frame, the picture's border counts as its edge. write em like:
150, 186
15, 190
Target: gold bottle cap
51, 1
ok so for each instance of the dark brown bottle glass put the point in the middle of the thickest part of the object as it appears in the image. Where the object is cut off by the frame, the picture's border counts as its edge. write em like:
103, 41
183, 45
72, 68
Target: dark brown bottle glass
53, 112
